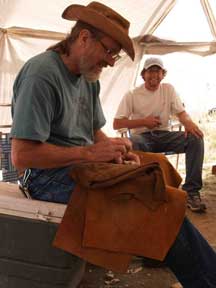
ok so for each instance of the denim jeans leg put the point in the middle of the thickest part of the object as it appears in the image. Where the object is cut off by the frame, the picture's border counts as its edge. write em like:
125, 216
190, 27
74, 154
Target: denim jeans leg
192, 259
175, 141
193, 147
141, 142
194, 154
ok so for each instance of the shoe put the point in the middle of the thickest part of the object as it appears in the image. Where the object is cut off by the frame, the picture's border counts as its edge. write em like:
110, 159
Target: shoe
195, 204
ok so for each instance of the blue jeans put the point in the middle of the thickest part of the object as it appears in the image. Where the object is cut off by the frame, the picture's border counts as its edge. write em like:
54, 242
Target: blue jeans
175, 141
190, 258
53, 185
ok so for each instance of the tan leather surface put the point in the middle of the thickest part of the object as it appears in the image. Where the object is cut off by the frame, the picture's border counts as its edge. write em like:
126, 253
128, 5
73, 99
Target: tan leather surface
171, 176
144, 183
126, 225
69, 237
111, 217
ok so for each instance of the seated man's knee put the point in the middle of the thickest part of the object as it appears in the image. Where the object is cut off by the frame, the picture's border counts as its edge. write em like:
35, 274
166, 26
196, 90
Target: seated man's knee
195, 141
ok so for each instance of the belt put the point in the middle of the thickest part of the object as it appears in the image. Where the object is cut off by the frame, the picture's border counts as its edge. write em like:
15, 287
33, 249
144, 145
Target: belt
22, 185
25, 191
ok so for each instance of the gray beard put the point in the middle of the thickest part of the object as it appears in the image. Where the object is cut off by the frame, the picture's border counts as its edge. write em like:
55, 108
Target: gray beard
91, 77
86, 72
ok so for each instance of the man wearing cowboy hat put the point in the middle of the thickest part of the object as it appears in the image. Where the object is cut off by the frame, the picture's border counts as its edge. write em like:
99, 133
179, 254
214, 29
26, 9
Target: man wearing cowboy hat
57, 121
57, 94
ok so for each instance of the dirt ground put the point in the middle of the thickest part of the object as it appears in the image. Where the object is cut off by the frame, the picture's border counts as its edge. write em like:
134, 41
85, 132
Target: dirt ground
145, 277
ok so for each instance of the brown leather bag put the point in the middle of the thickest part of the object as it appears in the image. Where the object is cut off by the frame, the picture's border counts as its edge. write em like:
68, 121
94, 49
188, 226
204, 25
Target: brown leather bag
120, 210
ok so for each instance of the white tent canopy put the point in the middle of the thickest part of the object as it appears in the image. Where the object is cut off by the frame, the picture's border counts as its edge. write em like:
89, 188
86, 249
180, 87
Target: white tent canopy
28, 27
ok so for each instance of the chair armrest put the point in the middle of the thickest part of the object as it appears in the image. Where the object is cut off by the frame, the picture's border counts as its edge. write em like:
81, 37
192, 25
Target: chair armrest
124, 132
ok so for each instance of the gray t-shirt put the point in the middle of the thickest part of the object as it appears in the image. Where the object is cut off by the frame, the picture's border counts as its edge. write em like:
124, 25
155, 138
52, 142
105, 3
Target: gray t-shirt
52, 105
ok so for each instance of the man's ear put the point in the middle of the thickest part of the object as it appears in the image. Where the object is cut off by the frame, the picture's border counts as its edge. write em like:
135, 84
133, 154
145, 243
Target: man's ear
164, 73
84, 37
143, 75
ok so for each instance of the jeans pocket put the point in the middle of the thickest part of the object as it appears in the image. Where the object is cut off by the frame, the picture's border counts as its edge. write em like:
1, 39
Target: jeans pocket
53, 185
53, 191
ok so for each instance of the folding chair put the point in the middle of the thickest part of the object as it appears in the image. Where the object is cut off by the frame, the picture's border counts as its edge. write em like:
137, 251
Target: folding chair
9, 173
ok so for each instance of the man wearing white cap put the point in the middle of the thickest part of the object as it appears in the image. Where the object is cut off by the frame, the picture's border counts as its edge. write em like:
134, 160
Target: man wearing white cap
146, 112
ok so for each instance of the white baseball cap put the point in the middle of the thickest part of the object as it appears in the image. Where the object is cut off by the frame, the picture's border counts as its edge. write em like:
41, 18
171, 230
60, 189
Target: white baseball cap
153, 62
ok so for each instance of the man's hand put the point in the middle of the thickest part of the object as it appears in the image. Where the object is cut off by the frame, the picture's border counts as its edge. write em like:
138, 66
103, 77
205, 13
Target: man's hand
112, 149
191, 127
128, 156
106, 151
132, 158
152, 122
123, 141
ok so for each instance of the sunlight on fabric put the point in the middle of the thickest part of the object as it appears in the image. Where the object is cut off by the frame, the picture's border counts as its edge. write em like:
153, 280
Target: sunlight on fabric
213, 6
186, 22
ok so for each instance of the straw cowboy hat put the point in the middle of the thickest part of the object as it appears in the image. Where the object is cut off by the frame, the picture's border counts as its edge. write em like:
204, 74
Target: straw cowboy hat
104, 19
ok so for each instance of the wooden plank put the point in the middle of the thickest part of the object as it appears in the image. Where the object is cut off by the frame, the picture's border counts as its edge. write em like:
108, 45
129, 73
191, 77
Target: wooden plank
13, 202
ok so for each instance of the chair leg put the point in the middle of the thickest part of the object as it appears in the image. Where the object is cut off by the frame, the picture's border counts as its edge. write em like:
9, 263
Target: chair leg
177, 161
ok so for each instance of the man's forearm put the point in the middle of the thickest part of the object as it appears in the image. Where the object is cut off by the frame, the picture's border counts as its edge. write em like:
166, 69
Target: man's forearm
190, 126
26, 154
99, 135
184, 118
34, 154
127, 123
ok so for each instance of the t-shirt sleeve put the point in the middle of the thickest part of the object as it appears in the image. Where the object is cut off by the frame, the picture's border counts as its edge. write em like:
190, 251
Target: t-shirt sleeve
33, 110
177, 105
125, 107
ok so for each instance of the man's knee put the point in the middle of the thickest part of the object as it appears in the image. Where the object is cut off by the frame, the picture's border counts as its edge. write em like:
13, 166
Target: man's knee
195, 140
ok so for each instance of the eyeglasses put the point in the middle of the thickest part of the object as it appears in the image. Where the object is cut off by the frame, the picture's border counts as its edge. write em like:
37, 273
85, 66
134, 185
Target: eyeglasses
109, 52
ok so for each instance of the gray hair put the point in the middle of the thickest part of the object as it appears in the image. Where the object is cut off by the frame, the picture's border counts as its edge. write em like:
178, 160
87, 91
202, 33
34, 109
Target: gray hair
63, 47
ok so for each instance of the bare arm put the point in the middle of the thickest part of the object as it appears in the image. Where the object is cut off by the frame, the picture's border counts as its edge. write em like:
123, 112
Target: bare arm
149, 122
190, 126
27, 153
34, 154
99, 135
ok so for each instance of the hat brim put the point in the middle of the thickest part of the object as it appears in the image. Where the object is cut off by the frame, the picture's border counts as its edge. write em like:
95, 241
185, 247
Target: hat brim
153, 64
79, 12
